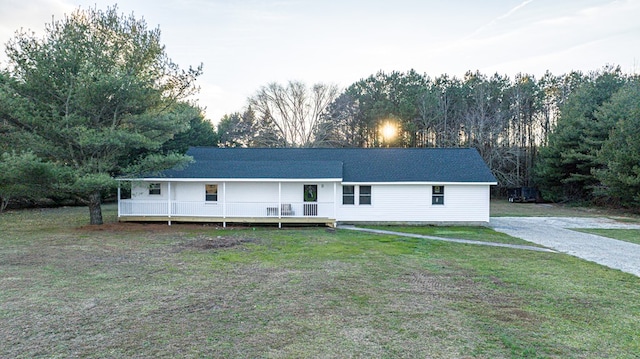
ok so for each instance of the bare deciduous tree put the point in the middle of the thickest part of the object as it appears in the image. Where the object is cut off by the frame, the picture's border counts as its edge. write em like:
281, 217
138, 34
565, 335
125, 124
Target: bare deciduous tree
294, 112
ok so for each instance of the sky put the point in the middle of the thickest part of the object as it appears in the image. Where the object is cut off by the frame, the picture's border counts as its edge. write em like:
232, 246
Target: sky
246, 44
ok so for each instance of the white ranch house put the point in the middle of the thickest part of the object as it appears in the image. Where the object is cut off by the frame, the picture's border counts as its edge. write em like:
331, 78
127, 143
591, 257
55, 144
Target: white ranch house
307, 186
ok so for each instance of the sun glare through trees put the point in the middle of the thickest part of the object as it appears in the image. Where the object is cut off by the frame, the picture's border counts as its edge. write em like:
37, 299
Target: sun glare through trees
389, 131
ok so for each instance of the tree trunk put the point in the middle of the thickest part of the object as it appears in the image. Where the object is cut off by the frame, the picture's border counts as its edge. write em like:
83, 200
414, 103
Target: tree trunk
4, 202
95, 210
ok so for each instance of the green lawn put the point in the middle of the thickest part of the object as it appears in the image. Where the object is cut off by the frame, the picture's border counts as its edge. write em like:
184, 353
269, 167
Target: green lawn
133, 290
483, 234
628, 235
503, 208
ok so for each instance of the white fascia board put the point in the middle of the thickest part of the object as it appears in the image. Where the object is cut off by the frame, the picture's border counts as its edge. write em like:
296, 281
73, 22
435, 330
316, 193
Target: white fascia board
302, 180
231, 179
423, 183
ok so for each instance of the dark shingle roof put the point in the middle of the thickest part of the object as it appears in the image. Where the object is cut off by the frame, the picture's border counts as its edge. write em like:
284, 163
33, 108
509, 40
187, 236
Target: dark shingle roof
219, 168
350, 164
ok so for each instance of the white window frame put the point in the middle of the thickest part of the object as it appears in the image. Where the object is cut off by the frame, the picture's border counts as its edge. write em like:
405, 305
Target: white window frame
153, 187
206, 194
367, 195
351, 195
437, 195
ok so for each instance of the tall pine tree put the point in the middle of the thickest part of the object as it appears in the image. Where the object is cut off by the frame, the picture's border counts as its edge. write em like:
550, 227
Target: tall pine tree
566, 164
98, 95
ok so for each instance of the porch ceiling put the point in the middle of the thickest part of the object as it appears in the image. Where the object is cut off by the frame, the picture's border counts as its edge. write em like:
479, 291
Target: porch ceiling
259, 170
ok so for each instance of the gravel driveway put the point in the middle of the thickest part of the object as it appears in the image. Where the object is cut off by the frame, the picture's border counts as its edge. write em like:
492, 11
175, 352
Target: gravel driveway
556, 233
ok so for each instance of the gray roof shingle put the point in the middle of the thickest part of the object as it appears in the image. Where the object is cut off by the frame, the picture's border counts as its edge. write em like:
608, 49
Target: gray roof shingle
350, 164
254, 169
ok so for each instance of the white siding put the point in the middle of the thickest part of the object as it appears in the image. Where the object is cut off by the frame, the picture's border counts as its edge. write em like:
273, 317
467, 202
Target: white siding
389, 202
250, 192
412, 203
189, 191
235, 191
140, 190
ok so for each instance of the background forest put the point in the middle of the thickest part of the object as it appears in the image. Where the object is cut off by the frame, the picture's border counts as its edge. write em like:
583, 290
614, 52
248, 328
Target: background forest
575, 136
98, 98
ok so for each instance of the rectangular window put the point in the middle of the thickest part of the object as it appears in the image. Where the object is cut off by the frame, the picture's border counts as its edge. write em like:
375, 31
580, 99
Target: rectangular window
348, 195
154, 189
437, 195
365, 195
211, 192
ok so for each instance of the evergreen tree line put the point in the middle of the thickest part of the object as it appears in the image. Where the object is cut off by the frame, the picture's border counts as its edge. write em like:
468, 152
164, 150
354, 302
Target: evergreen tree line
574, 136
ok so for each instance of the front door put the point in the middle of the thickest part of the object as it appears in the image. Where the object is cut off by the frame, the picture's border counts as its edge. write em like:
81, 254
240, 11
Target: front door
310, 199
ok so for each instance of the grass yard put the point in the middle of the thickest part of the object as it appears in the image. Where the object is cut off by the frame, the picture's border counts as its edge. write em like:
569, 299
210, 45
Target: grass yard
503, 208
483, 234
628, 235
192, 291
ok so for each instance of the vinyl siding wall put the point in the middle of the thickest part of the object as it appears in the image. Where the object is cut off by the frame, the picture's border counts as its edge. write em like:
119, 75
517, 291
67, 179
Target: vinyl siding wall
412, 203
389, 203
235, 191
140, 190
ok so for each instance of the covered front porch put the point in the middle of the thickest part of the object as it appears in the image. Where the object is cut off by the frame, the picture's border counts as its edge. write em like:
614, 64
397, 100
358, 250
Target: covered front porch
229, 202
159, 211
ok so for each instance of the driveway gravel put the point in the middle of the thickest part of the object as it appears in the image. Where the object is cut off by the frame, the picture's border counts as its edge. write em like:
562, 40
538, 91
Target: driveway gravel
557, 233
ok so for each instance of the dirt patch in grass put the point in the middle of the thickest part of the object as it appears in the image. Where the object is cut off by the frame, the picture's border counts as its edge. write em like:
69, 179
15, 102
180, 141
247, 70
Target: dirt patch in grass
148, 227
205, 242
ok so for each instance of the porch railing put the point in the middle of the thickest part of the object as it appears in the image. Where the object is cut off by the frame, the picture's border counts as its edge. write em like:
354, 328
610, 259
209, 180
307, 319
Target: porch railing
131, 207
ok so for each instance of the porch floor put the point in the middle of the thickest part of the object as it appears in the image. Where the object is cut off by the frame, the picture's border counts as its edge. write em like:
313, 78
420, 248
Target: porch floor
330, 222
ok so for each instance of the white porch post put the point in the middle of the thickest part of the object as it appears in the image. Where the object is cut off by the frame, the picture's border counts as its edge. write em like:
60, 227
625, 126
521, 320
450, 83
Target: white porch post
279, 204
169, 201
119, 198
224, 204
335, 199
